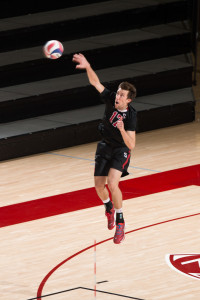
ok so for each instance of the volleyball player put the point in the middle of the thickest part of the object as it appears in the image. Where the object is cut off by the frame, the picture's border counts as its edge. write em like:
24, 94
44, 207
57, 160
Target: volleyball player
118, 130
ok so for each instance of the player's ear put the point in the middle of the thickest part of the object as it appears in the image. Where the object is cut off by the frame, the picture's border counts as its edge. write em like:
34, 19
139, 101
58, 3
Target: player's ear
129, 100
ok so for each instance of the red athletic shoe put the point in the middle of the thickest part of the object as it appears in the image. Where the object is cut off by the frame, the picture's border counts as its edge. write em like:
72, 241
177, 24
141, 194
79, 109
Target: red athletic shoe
119, 233
111, 218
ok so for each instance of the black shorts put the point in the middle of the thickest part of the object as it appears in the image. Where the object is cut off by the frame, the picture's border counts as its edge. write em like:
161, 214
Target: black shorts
107, 157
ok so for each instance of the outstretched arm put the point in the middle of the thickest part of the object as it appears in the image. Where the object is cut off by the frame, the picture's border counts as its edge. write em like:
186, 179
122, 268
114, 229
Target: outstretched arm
82, 63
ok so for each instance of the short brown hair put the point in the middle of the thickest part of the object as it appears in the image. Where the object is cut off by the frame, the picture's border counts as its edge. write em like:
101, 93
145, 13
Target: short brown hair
130, 88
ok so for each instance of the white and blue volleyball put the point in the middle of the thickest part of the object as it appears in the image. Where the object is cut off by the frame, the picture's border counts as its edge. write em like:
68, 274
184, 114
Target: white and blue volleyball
53, 49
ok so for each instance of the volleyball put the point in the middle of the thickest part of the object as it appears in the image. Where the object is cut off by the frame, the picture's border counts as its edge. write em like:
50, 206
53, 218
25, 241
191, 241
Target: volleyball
53, 49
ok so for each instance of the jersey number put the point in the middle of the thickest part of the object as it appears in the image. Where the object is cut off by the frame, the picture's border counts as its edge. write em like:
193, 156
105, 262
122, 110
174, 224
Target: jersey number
115, 114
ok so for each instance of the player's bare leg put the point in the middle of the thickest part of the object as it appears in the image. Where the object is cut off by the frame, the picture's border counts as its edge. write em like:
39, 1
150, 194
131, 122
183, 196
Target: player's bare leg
102, 192
113, 185
100, 186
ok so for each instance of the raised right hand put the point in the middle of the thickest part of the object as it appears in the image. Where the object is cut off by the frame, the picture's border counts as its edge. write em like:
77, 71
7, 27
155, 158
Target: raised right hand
81, 61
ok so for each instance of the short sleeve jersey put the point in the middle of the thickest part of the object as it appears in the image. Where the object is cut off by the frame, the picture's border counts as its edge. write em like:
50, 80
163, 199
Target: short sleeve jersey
108, 126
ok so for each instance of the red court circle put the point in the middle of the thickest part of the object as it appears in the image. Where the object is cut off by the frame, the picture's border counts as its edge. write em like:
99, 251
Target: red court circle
42, 284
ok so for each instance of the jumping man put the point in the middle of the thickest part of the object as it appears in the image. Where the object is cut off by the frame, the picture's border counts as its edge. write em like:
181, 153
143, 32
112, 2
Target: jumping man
114, 150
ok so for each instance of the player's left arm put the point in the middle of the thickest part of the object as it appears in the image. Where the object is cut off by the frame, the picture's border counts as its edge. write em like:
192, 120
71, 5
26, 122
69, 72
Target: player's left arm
128, 136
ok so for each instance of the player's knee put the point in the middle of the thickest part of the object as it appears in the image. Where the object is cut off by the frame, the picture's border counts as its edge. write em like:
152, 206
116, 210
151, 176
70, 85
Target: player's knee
99, 186
112, 185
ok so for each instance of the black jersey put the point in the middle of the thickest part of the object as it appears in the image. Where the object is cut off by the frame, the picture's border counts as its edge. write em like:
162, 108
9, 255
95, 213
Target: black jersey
108, 126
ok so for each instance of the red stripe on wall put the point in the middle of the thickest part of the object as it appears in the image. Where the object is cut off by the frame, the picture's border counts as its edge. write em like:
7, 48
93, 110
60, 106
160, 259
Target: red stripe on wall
86, 198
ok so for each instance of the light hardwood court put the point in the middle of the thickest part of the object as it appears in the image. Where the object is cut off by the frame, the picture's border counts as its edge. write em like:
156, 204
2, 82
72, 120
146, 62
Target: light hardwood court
55, 257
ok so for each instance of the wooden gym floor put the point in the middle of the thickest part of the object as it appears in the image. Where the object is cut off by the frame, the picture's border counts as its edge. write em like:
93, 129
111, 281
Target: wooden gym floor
54, 256
137, 268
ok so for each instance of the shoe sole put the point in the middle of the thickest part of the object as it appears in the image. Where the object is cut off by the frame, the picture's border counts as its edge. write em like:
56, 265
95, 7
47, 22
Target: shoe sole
120, 241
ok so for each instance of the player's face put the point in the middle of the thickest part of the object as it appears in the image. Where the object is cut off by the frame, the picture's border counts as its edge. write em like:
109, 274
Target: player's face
121, 99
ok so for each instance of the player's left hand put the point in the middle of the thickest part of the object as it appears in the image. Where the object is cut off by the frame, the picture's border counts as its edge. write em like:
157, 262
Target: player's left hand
120, 124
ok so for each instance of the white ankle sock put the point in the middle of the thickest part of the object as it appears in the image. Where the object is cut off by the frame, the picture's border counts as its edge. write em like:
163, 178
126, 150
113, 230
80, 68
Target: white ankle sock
119, 210
106, 201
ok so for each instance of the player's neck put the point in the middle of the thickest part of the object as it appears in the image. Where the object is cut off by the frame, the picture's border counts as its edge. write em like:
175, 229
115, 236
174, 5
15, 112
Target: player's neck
123, 110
